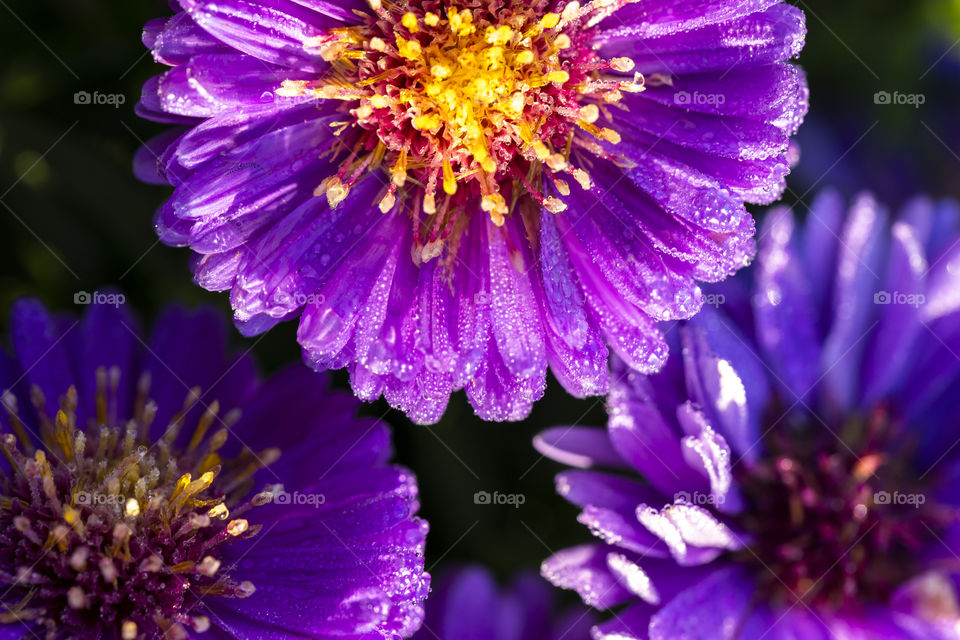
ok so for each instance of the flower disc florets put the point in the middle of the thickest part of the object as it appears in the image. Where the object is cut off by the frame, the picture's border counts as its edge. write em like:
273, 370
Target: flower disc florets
471, 98
107, 530
838, 519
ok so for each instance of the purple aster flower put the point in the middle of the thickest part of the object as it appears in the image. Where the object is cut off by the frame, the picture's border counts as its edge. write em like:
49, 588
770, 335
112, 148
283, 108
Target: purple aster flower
157, 488
799, 459
456, 194
467, 604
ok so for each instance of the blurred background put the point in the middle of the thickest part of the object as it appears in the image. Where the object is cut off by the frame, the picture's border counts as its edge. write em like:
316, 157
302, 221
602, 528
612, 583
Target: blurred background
885, 83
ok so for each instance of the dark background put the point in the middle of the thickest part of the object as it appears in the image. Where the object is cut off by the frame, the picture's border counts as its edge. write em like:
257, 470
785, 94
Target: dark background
72, 216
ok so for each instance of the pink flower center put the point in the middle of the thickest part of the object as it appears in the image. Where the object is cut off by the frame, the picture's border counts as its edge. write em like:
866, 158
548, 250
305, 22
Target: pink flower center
838, 519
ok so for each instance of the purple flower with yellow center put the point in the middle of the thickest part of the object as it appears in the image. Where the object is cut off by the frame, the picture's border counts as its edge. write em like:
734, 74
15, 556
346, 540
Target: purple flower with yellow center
799, 456
458, 194
468, 604
157, 488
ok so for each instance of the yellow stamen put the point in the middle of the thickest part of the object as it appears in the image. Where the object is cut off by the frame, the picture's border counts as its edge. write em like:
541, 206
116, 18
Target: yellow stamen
496, 206
582, 178
557, 162
399, 171
429, 204
409, 49
292, 88
610, 136
219, 511
410, 22
449, 182
590, 113
553, 205
550, 20
237, 527
128, 630
622, 64
426, 123
499, 36
387, 202
336, 191
524, 57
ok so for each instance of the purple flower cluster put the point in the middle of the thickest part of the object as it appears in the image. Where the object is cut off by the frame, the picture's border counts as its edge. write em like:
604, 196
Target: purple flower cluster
459, 195
799, 458
156, 487
464, 195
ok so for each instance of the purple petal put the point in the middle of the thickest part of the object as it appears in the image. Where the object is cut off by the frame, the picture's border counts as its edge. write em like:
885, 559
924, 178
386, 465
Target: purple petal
584, 569
582, 447
711, 610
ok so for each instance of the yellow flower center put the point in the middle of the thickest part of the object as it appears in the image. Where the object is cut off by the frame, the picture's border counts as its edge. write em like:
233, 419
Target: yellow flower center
478, 100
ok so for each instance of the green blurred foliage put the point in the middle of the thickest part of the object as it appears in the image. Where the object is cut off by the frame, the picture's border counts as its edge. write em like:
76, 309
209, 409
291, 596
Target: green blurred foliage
949, 13
72, 217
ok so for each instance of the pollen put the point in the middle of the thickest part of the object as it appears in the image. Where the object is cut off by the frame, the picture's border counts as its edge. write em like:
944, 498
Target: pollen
106, 520
128, 630
469, 106
410, 22
237, 527
409, 49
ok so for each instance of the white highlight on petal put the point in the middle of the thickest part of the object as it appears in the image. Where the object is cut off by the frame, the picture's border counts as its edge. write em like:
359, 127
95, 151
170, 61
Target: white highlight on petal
714, 453
660, 526
682, 526
630, 575
698, 527
731, 387
931, 597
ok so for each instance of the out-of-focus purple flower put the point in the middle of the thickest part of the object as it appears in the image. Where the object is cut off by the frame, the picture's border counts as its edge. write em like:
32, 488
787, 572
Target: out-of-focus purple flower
799, 456
457, 195
467, 604
157, 488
